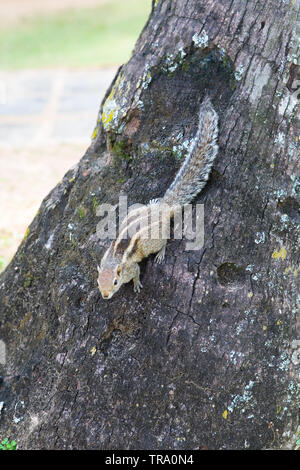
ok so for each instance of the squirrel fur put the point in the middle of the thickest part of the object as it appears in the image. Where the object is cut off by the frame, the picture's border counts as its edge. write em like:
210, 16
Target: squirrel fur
135, 240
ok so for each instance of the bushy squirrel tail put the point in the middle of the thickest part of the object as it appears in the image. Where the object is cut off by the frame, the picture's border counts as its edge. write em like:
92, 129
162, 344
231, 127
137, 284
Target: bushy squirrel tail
194, 173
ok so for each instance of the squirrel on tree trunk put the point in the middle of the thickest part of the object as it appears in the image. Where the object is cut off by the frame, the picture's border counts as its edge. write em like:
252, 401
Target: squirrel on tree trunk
120, 262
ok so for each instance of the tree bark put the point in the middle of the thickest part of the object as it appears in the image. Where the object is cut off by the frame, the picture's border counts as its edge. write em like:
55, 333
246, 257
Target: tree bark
206, 355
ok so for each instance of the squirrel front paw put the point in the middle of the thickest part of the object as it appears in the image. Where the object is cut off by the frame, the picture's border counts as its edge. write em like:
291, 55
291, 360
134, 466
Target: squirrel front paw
137, 286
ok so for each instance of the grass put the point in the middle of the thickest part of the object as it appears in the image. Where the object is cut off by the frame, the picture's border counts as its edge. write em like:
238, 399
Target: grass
103, 35
6, 445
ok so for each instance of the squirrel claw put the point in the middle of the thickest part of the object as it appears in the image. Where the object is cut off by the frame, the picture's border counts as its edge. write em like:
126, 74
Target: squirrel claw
137, 286
160, 256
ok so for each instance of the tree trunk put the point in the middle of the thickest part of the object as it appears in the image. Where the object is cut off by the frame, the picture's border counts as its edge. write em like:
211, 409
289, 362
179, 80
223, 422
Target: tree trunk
206, 355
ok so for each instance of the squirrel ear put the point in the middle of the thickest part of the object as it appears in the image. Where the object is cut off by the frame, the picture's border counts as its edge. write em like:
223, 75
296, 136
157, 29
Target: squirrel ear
119, 270
98, 268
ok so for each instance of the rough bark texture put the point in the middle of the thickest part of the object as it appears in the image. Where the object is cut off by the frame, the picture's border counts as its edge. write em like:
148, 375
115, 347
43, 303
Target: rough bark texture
206, 355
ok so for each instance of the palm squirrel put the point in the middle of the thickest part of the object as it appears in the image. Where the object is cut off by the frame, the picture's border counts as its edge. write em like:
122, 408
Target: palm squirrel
120, 262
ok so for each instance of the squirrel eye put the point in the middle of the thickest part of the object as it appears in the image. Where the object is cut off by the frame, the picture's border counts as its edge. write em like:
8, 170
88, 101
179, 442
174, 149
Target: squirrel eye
115, 282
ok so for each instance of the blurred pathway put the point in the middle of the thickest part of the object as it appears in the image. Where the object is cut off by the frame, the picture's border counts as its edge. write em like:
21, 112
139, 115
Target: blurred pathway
47, 118
39, 107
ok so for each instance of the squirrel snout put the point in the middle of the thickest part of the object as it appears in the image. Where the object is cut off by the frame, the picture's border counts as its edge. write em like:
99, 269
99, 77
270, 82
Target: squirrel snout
105, 294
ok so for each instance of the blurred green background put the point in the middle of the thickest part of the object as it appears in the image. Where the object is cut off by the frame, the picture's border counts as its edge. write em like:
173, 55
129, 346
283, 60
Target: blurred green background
101, 34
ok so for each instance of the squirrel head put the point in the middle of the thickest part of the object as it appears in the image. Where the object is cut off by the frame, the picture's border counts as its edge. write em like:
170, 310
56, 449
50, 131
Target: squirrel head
109, 280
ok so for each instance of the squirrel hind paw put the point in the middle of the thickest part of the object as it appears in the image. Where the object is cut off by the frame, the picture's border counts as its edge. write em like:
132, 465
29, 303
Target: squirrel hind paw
153, 201
159, 258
